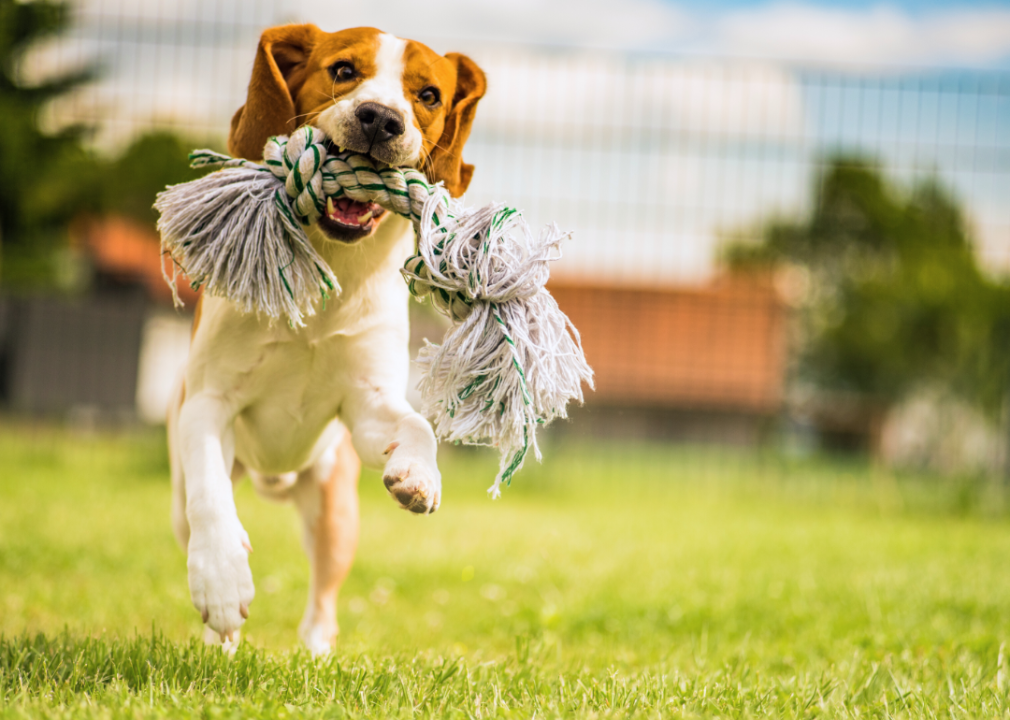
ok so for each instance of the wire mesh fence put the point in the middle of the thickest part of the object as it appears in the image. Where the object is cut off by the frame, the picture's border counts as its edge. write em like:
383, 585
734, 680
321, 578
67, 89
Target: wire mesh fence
659, 164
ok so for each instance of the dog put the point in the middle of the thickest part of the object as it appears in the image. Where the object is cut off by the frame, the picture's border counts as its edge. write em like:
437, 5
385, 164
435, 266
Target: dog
299, 410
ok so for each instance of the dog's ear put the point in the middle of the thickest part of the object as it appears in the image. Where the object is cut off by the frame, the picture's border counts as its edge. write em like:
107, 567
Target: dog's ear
446, 160
278, 73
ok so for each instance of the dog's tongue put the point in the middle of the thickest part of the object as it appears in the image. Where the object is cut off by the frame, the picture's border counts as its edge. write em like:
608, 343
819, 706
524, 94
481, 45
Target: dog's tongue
351, 212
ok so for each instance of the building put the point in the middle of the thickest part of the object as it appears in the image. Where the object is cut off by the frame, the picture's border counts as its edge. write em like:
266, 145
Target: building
699, 363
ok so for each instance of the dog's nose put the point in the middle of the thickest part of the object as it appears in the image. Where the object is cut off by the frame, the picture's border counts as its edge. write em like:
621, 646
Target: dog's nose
380, 123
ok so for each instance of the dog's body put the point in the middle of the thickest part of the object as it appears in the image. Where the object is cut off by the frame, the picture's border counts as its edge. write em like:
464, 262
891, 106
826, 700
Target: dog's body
296, 407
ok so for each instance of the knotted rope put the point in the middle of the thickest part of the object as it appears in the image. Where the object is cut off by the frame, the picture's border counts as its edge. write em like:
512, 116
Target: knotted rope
510, 362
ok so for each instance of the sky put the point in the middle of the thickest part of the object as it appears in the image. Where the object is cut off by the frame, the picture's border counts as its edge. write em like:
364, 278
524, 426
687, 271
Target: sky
972, 34
911, 6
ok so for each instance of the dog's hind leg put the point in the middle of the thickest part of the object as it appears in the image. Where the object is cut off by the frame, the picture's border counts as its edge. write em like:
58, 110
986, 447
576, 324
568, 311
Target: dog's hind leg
327, 498
180, 523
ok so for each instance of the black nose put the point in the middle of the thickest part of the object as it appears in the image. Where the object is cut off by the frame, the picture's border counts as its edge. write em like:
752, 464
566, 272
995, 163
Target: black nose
380, 123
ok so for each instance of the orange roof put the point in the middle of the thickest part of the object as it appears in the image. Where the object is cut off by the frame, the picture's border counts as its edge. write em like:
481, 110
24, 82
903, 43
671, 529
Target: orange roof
720, 346
130, 250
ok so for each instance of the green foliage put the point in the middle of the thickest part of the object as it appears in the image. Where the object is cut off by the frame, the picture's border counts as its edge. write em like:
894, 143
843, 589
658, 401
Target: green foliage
47, 177
88, 184
895, 299
52, 178
153, 161
612, 581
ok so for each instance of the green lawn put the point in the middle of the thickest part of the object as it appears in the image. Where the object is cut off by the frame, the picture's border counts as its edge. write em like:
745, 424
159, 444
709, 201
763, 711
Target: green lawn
611, 581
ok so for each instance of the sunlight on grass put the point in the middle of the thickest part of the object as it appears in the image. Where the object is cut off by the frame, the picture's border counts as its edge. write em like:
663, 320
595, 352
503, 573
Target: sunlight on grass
613, 580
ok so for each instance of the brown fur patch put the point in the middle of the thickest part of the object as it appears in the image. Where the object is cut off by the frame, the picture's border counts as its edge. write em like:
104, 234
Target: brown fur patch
335, 535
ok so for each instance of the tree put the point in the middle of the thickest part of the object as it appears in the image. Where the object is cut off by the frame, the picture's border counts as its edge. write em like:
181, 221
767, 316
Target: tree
47, 178
50, 178
896, 299
152, 161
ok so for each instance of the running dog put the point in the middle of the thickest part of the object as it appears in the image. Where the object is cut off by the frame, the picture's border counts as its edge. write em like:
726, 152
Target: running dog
295, 408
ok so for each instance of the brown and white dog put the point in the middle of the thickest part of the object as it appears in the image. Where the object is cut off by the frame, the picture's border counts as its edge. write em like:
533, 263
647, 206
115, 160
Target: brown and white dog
295, 408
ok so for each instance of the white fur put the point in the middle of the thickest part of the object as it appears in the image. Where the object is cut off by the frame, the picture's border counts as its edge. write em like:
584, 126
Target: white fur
269, 396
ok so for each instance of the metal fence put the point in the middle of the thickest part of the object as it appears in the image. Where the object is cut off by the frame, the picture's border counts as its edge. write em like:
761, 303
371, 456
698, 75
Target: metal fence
652, 160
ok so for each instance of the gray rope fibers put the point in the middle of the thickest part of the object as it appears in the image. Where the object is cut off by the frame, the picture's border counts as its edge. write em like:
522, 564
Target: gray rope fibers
511, 361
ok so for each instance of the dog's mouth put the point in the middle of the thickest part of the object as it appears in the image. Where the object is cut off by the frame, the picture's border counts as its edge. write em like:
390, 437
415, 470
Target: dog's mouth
348, 220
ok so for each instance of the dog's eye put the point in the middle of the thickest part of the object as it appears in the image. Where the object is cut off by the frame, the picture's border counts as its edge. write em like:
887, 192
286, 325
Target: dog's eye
343, 71
430, 96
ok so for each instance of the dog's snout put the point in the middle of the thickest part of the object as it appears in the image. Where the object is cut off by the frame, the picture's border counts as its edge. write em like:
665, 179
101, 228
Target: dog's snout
379, 123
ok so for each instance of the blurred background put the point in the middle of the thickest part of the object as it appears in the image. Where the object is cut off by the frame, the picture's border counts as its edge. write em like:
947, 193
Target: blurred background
791, 219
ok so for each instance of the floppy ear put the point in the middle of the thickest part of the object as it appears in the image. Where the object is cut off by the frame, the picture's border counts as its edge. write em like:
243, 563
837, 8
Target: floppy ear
278, 73
446, 159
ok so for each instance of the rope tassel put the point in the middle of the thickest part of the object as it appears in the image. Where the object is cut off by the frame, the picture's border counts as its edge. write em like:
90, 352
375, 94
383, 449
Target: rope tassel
511, 361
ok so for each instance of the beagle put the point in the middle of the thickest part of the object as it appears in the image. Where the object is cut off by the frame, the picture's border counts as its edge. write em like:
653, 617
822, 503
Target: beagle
295, 408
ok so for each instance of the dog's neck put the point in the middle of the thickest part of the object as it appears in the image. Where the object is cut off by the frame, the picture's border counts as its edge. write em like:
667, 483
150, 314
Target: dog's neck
356, 265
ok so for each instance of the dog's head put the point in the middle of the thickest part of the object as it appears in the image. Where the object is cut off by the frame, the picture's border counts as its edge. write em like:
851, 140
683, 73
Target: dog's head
395, 100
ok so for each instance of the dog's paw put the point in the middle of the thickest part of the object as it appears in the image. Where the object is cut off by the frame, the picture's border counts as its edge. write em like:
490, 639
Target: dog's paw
318, 636
413, 482
229, 645
220, 581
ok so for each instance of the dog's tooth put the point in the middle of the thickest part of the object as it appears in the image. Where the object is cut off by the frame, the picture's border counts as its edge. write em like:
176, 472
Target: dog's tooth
339, 149
365, 218
330, 210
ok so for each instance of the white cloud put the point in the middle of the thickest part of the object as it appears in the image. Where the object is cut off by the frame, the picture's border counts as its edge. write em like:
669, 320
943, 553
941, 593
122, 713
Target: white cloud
877, 35
597, 22
555, 94
788, 30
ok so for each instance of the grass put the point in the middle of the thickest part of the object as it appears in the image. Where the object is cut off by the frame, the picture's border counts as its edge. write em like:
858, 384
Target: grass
611, 581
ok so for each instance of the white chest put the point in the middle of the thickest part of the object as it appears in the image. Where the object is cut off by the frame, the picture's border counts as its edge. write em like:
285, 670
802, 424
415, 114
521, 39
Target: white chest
286, 385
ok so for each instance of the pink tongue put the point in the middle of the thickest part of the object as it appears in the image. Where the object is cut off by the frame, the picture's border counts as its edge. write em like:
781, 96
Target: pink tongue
348, 211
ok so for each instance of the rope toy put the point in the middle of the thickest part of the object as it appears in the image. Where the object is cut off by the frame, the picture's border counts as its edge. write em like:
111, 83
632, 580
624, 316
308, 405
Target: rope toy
510, 362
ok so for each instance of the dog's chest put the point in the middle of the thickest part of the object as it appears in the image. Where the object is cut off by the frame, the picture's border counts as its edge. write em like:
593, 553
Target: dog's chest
286, 385
290, 396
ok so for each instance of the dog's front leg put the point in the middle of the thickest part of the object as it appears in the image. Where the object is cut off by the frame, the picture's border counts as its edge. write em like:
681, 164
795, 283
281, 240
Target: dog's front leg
220, 582
386, 431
